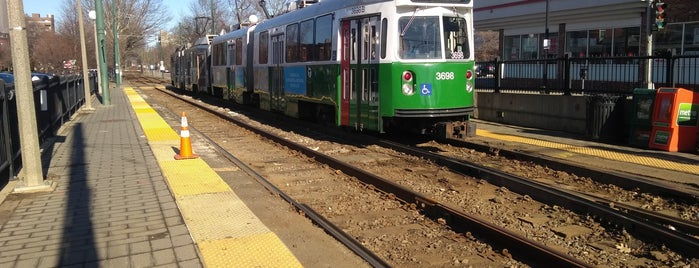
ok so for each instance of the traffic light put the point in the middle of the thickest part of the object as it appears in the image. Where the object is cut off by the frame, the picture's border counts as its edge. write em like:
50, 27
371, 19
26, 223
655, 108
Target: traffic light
659, 8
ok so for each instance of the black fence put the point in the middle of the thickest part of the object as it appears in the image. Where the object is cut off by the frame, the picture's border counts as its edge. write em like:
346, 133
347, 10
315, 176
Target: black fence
589, 76
56, 99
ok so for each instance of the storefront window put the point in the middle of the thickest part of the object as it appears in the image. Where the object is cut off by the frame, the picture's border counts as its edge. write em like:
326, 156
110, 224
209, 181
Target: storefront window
552, 52
626, 42
576, 44
600, 43
512, 47
530, 47
668, 41
691, 39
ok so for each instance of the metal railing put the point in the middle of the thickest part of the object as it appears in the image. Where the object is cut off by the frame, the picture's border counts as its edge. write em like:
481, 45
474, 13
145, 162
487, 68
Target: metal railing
611, 75
56, 99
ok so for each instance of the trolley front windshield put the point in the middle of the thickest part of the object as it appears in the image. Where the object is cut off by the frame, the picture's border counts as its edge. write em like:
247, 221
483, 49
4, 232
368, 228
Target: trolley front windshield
421, 38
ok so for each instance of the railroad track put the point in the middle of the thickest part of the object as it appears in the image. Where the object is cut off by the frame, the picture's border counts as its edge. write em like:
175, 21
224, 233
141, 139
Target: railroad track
453, 216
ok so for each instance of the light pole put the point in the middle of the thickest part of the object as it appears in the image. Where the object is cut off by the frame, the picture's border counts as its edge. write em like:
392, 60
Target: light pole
117, 73
102, 57
649, 45
213, 18
93, 16
83, 51
546, 45
160, 54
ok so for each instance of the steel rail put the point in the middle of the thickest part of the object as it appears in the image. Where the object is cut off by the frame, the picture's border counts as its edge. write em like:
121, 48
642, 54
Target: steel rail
519, 247
673, 239
625, 181
319, 220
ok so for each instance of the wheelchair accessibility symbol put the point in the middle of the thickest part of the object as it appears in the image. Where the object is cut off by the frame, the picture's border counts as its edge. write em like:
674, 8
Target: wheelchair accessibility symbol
426, 89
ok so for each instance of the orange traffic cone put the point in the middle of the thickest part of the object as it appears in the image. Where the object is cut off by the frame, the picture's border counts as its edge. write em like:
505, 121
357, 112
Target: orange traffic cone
185, 143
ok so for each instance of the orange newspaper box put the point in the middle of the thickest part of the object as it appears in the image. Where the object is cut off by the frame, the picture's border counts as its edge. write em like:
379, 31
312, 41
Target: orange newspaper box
674, 121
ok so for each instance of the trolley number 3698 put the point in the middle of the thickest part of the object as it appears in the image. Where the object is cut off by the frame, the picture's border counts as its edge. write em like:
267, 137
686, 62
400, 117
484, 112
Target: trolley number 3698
445, 76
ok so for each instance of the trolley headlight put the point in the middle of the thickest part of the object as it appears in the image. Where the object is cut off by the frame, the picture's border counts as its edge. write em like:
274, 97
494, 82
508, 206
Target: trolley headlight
408, 88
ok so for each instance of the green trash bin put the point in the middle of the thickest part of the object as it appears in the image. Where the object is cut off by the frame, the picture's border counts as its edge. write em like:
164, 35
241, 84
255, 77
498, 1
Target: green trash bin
640, 118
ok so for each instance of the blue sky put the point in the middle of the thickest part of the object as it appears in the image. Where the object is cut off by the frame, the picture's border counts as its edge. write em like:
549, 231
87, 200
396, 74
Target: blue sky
44, 7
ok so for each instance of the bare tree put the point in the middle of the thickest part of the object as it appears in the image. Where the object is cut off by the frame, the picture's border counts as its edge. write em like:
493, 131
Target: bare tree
138, 23
486, 45
50, 58
226, 13
5, 56
221, 16
274, 7
243, 9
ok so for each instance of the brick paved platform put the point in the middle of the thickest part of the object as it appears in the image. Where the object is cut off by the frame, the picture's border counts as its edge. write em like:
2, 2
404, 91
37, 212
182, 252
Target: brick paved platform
111, 206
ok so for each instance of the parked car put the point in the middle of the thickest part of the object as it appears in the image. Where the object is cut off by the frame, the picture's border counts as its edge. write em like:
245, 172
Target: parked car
39, 76
485, 69
8, 78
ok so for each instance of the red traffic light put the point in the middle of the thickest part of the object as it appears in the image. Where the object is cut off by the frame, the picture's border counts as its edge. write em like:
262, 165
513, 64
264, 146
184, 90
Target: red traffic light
660, 8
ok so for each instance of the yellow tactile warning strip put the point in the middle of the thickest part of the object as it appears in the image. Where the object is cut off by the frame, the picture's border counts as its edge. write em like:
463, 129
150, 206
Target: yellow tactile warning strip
617, 156
247, 250
226, 232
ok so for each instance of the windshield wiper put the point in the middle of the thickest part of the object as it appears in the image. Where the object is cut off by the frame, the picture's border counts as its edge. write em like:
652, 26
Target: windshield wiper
409, 22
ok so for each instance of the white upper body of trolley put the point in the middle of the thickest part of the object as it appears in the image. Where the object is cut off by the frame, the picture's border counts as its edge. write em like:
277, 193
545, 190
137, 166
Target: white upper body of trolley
429, 14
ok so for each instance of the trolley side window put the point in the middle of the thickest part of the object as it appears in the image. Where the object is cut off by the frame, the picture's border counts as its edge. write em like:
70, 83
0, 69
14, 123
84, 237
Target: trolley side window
263, 53
239, 51
323, 36
292, 42
219, 55
231, 53
306, 32
384, 36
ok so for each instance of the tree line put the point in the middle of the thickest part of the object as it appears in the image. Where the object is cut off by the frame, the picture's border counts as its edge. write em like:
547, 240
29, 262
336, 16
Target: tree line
143, 36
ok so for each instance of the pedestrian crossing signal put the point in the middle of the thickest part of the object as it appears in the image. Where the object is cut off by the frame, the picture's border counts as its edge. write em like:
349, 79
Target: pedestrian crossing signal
660, 8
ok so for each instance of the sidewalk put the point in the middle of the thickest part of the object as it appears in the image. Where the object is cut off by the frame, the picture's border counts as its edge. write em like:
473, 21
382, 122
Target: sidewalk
111, 206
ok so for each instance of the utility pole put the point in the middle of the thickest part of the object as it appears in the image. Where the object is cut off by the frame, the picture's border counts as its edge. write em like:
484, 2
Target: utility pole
93, 16
117, 72
83, 51
99, 20
213, 18
31, 174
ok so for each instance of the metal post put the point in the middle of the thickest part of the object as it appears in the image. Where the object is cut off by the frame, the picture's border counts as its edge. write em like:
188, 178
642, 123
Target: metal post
649, 46
117, 72
102, 55
213, 18
97, 52
31, 178
160, 52
83, 51
546, 45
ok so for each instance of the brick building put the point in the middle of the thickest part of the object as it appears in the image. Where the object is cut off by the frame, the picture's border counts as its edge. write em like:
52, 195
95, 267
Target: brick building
35, 25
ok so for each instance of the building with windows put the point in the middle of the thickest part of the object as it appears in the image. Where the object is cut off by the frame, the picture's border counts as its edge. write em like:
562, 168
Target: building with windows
37, 24
577, 28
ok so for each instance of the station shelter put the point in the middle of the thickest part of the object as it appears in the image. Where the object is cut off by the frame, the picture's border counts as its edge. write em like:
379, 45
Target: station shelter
610, 28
